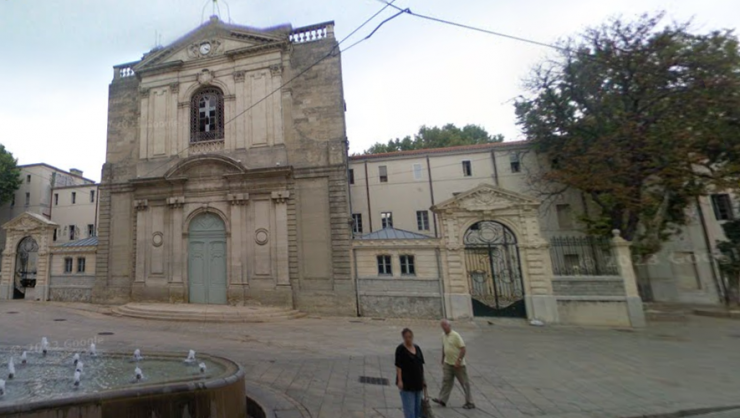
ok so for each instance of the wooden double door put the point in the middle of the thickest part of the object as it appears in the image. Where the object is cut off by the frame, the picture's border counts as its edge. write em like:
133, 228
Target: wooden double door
207, 260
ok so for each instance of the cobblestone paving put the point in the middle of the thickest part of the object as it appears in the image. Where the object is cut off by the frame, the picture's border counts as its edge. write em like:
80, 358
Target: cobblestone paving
517, 371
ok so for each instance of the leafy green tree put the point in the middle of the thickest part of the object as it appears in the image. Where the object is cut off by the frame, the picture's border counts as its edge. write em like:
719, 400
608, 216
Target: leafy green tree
447, 136
729, 260
640, 117
10, 175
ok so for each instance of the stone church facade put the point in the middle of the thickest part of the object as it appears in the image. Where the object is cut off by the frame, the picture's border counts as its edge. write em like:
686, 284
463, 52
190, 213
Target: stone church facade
222, 183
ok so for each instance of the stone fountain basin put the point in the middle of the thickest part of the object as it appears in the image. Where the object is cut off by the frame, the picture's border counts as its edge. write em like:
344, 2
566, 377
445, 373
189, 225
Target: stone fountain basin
220, 394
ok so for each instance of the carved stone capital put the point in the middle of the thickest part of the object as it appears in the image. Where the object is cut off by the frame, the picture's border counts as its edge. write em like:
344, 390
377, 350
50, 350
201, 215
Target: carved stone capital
276, 69
175, 87
176, 202
143, 92
142, 204
239, 76
280, 196
238, 198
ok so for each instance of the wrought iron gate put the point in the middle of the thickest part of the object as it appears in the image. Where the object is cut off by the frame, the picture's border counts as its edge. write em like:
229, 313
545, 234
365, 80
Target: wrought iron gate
494, 273
25, 267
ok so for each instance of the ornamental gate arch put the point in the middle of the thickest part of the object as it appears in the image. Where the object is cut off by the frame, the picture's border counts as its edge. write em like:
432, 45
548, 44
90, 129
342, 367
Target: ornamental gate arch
494, 270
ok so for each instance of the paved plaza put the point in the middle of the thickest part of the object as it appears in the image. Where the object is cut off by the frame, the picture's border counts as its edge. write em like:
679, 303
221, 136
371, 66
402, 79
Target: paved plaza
312, 365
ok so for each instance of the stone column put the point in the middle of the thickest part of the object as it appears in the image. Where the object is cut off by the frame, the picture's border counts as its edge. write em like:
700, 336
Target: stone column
281, 236
177, 288
141, 241
623, 256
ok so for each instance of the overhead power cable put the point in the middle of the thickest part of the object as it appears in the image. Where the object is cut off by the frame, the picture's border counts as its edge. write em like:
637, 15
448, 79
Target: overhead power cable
473, 28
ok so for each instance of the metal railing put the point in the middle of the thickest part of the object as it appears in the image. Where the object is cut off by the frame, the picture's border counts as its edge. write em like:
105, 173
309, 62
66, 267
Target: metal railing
582, 256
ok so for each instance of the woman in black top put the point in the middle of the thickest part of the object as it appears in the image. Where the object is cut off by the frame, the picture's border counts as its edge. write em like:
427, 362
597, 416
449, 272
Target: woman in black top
410, 374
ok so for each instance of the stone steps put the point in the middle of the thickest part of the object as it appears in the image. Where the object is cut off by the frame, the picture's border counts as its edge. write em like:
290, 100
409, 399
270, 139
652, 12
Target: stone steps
205, 313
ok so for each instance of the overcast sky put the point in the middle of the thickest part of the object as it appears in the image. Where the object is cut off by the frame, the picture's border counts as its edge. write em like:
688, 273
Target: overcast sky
57, 56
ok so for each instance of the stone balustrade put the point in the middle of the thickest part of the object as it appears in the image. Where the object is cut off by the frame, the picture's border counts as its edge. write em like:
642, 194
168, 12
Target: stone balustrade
124, 70
312, 33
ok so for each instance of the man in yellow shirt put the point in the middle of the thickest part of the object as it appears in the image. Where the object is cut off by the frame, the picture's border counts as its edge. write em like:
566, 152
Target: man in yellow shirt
453, 366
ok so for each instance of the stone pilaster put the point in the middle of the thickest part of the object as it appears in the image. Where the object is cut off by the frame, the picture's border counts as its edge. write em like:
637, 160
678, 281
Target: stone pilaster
623, 255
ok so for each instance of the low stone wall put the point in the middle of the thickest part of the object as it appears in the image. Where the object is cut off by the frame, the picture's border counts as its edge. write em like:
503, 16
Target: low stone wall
588, 286
71, 288
400, 297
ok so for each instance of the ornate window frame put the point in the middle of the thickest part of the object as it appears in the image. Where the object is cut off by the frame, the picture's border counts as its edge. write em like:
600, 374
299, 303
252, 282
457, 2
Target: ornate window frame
209, 93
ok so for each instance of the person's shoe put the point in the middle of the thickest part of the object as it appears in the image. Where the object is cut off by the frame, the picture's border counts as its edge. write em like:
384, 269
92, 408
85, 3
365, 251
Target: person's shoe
438, 402
469, 406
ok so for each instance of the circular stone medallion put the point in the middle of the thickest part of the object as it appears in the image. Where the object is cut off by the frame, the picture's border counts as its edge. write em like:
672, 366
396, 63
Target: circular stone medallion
261, 236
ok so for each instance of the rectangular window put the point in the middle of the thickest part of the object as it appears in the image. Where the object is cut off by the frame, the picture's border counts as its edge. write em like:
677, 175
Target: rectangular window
56, 199
422, 220
28, 198
68, 263
92, 196
80, 264
386, 219
565, 216
55, 234
417, 171
722, 207
28, 178
71, 232
383, 172
351, 176
74, 197
357, 223
407, 265
90, 230
516, 165
467, 168
384, 265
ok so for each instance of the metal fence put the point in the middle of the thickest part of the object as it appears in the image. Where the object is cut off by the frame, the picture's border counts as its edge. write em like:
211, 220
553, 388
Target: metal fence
582, 256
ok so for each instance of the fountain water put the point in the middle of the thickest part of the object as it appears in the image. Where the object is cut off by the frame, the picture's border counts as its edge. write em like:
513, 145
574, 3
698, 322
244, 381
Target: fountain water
44, 345
11, 369
47, 384
191, 357
24, 358
93, 350
76, 358
137, 355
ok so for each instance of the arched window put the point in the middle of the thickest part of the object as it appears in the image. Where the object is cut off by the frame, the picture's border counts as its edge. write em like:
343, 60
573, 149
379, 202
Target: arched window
207, 115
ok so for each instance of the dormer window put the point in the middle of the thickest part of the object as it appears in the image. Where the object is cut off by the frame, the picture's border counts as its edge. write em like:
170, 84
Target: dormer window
207, 114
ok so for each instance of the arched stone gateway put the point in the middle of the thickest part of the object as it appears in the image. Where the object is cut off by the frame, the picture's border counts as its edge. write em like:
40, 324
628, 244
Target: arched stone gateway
495, 262
493, 270
207, 260
26, 257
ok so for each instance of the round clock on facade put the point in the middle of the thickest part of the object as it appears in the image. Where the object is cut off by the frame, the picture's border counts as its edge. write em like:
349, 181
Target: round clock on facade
205, 48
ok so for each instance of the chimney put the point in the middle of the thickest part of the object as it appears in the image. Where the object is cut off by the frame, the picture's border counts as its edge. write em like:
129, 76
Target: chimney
75, 171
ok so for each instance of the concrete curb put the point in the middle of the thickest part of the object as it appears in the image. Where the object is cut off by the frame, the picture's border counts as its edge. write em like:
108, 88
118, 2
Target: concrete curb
271, 403
689, 412
717, 314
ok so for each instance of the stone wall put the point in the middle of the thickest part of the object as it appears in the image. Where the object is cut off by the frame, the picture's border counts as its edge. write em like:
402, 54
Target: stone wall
588, 286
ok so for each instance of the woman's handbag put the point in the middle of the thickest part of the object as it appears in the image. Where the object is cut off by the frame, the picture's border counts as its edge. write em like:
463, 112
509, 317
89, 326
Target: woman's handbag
426, 405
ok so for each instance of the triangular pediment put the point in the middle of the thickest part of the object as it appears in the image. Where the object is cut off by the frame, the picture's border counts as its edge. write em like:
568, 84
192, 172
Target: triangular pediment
221, 39
485, 197
27, 221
